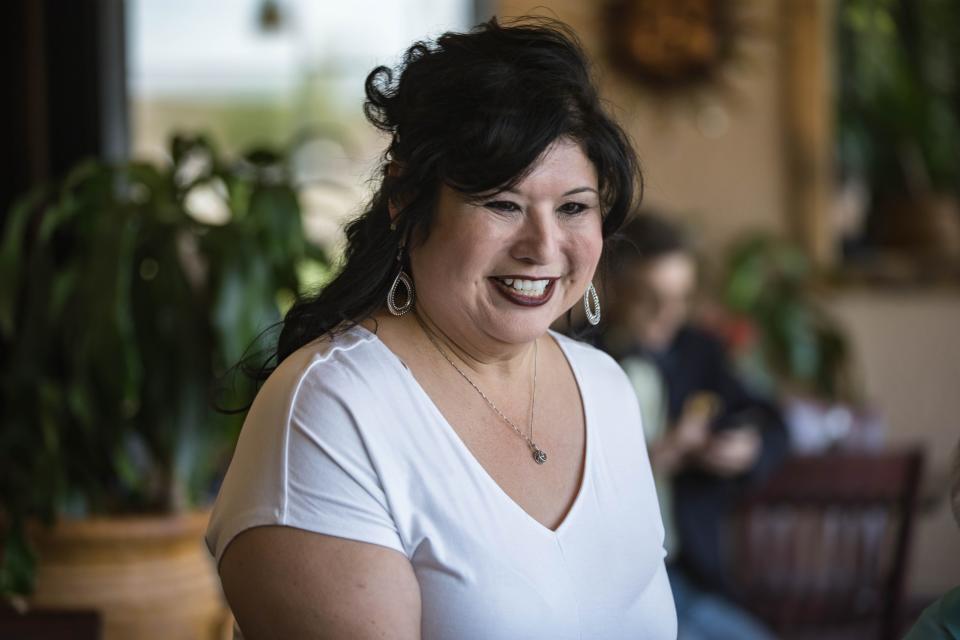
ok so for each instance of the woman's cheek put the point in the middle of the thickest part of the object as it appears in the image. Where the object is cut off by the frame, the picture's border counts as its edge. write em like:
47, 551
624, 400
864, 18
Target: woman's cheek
589, 250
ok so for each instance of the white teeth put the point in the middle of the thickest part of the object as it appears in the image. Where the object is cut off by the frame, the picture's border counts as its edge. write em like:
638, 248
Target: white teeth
532, 288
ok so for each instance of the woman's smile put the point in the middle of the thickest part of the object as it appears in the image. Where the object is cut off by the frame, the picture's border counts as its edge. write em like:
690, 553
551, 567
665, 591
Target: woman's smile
525, 292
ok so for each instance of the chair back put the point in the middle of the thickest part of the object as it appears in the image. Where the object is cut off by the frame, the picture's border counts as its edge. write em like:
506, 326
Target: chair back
823, 544
37, 624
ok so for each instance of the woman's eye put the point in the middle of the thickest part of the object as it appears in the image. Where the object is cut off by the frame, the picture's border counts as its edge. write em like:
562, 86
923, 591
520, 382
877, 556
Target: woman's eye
502, 205
573, 208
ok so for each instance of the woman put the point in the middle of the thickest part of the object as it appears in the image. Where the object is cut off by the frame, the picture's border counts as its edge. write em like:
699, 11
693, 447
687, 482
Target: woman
428, 460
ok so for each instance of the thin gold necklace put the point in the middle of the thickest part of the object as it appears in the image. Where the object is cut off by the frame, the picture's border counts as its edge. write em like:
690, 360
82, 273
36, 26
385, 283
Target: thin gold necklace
539, 455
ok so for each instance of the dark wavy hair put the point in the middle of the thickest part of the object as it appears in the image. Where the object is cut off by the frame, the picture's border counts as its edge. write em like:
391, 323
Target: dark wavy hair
648, 236
473, 111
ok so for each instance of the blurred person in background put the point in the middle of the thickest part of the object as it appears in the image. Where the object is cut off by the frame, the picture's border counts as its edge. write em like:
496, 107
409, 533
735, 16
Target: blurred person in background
941, 620
709, 438
428, 460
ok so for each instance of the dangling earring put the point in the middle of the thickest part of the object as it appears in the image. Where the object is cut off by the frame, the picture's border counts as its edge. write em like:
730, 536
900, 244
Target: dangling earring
593, 317
404, 279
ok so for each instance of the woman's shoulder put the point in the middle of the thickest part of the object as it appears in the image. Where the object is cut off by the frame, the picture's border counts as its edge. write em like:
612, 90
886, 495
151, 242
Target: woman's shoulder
587, 357
598, 374
329, 366
329, 352
302, 458
608, 395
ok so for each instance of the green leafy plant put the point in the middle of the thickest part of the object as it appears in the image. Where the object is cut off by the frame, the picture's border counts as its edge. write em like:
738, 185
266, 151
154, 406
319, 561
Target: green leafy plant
121, 309
798, 346
898, 72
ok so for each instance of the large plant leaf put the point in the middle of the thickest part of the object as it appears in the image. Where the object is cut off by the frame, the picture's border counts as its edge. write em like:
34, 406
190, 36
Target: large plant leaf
11, 258
120, 314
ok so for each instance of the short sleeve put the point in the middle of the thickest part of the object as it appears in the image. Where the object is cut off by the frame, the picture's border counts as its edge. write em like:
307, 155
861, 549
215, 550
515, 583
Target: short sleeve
301, 461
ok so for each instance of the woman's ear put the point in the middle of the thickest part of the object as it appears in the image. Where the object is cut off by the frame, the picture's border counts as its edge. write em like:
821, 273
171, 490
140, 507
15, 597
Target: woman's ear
393, 208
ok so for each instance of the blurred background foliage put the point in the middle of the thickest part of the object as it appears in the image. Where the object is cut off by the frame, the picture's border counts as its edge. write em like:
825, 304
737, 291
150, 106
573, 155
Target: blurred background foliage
900, 95
898, 123
798, 347
131, 291
135, 285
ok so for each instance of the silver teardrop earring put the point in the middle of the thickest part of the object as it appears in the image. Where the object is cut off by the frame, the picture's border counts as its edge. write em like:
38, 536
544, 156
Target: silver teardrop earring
590, 295
406, 281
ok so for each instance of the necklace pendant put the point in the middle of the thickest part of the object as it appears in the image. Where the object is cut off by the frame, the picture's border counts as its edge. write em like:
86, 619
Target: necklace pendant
539, 456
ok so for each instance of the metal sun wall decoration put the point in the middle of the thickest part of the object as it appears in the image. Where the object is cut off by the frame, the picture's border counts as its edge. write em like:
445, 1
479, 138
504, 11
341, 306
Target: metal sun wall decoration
674, 45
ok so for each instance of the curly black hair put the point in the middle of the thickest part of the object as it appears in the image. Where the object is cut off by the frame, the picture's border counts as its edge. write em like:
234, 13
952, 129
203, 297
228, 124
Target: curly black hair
473, 111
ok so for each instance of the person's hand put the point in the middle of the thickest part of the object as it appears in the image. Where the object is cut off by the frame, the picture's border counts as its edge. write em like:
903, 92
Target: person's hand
690, 433
692, 430
732, 452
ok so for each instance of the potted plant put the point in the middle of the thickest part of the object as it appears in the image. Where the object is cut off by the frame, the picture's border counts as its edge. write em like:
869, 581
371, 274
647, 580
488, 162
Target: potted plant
797, 344
127, 293
796, 351
898, 127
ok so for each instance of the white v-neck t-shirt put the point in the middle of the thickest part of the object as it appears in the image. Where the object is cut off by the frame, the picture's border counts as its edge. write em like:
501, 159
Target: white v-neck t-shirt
342, 440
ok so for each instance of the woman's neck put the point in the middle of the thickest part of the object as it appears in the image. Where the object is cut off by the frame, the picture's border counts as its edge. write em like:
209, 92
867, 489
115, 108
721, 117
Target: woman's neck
478, 356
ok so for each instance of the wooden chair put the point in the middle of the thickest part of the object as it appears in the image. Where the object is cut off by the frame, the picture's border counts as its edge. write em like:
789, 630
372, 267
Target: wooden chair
820, 550
49, 625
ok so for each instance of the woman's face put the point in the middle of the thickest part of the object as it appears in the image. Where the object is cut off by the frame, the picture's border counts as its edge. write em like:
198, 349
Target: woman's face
504, 268
654, 298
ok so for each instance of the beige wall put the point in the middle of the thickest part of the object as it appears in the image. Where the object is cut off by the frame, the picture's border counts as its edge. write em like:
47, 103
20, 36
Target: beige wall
907, 348
711, 157
717, 160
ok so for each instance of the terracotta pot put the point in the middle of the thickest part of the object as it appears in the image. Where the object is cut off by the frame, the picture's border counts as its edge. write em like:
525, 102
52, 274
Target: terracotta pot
926, 226
149, 577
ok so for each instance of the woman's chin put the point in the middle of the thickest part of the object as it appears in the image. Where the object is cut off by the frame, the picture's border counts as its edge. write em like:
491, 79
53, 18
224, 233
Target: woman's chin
520, 328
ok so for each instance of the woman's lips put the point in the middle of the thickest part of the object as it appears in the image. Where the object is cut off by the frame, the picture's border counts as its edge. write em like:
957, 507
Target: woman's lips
524, 298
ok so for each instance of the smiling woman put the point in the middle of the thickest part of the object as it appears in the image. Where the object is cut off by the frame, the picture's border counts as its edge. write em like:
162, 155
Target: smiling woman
543, 235
428, 459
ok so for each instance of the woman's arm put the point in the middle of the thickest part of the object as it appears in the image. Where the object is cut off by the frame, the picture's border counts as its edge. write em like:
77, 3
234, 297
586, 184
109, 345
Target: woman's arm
288, 583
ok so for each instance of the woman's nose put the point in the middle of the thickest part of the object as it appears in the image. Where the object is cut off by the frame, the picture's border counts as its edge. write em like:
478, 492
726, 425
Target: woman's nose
538, 241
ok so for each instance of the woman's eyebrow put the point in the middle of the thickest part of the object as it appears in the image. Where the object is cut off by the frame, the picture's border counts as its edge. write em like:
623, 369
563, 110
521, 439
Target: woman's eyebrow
568, 193
579, 190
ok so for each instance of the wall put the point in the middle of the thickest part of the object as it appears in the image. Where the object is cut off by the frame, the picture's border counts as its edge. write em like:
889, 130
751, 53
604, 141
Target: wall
908, 354
711, 156
717, 160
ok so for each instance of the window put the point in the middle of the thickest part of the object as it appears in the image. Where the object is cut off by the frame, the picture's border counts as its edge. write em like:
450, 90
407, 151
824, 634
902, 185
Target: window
266, 72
